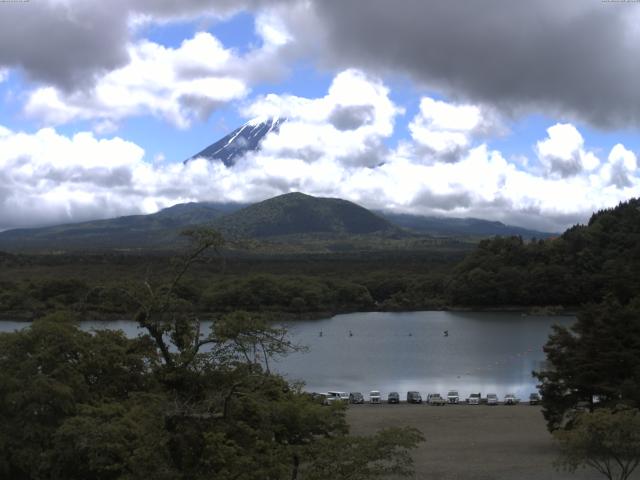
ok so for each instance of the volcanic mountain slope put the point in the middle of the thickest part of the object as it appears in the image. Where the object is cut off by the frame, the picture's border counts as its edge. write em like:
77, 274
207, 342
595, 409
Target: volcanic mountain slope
245, 139
300, 214
158, 230
301, 220
285, 215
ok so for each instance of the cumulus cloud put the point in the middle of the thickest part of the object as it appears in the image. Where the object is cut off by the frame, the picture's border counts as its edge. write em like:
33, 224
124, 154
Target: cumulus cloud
445, 131
47, 177
308, 155
178, 84
484, 184
347, 125
562, 154
85, 39
63, 43
351, 117
621, 167
466, 53
520, 57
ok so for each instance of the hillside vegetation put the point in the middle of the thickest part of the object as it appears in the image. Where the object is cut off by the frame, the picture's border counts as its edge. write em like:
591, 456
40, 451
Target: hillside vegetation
297, 213
316, 224
290, 223
582, 265
31, 285
160, 230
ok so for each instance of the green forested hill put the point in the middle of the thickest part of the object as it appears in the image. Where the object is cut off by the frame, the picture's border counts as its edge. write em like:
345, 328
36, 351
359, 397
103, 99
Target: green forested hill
582, 265
285, 215
297, 213
292, 222
158, 230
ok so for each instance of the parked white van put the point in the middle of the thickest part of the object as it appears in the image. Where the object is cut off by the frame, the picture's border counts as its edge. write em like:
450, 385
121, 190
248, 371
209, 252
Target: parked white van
339, 396
474, 399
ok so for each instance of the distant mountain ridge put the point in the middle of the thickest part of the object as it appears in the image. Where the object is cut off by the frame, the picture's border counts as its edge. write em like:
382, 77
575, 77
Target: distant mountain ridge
157, 230
284, 216
246, 138
444, 226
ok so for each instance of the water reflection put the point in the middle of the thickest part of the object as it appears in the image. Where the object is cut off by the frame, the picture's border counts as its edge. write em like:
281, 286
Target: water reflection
481, 352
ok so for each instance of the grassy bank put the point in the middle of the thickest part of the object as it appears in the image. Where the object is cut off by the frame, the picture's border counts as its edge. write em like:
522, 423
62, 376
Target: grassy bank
472, 442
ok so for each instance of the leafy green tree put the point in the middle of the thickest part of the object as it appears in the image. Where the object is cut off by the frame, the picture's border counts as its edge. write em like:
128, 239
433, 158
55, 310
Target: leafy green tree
594, 363
362, 458
47, 372
605, 440
115, 440
584, 264
168, 318
174, 403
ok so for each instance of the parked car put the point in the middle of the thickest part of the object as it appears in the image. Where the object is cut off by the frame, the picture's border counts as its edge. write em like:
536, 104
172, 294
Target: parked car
453, 397
492, 399
374, 396
356, 397
339, 396
534, 399
474, 399
326, 399
393, 397
510, 399
414, 397
435, 399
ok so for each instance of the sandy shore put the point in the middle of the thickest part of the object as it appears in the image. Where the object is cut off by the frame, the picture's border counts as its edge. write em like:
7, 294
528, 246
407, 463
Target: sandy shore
472, 442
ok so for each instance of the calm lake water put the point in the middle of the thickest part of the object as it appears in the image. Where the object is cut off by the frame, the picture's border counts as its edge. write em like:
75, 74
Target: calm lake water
483, 352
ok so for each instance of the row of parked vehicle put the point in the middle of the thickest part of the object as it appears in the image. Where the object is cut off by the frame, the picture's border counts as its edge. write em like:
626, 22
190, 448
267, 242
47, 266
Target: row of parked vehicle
453, 398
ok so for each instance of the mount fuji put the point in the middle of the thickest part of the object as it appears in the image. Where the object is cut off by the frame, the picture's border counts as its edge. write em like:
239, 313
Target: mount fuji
245, 139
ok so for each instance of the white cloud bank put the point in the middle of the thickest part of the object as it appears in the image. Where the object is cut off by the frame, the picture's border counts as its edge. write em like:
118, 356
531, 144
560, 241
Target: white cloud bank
179, 85
445, 132
69, 44
562, 153
331, 146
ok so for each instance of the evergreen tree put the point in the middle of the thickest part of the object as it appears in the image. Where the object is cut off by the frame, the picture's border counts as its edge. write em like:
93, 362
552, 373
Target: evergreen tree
594, 363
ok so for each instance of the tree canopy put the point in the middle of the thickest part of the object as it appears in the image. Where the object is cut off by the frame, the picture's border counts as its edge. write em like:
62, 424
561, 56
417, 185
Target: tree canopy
584, 264
174, 403
594, 363
605, 440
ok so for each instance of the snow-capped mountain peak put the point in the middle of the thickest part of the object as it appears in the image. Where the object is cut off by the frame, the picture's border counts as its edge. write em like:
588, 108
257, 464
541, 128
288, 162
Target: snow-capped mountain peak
245, 139
273, 120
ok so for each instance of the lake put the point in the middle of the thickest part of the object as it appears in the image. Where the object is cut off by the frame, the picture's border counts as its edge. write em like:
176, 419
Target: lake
484, 352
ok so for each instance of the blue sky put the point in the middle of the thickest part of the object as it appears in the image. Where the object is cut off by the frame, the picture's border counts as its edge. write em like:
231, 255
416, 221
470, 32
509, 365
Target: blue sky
446, 122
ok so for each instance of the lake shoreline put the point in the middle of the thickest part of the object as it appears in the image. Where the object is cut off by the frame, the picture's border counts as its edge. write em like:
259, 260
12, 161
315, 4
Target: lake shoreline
424, 351
525, 311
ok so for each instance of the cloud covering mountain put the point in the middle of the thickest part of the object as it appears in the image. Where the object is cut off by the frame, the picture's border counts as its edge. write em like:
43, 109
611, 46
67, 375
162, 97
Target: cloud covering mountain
82, 108
50, 178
